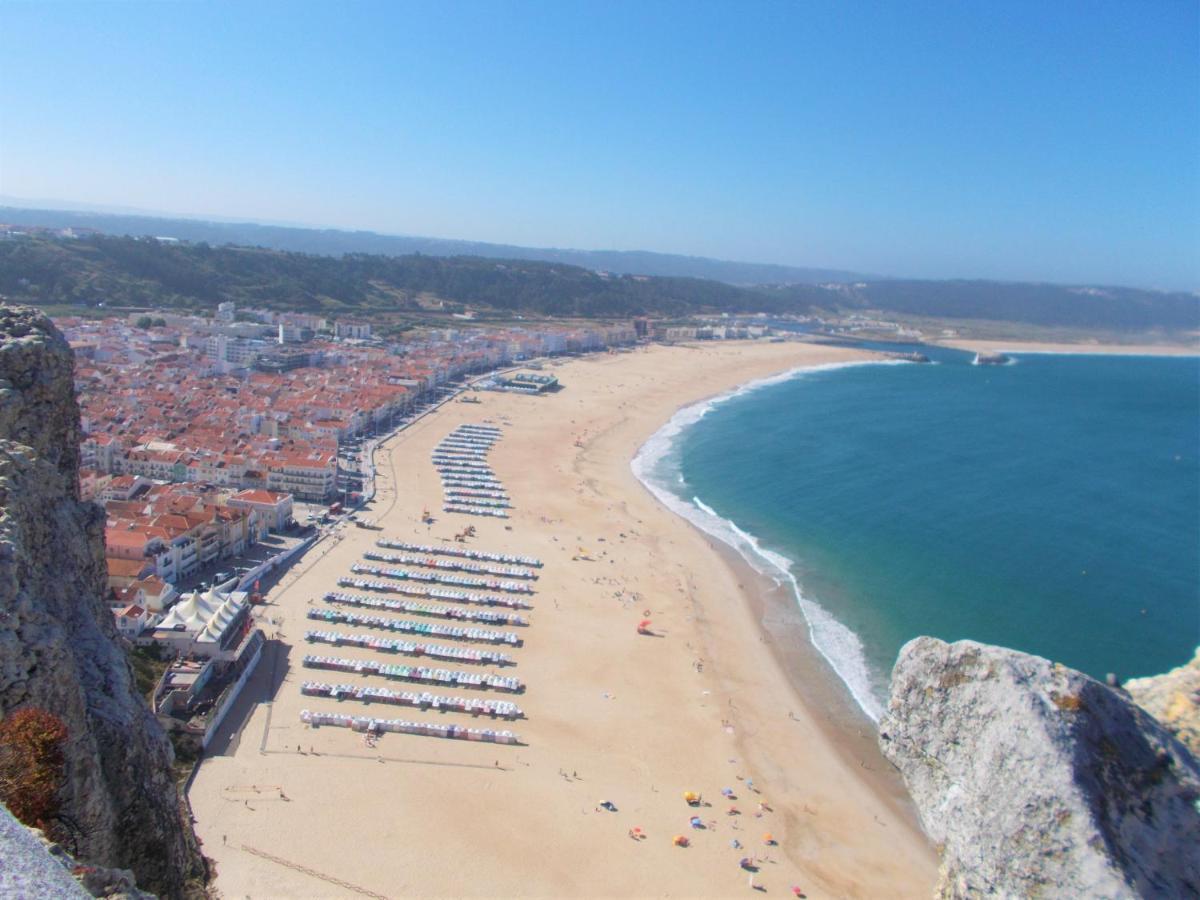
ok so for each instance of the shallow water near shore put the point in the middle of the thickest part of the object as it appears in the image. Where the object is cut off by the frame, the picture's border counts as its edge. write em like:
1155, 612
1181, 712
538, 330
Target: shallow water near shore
1050, 505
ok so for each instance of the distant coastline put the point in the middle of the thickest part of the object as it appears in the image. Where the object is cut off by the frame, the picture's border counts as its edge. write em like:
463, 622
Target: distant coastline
1083, 348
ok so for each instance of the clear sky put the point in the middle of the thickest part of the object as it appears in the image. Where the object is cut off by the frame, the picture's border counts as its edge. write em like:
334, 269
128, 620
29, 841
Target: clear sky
1046, 140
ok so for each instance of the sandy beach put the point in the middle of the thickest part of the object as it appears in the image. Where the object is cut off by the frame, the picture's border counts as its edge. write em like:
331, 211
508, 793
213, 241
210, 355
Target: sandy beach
727, 693
1164, 349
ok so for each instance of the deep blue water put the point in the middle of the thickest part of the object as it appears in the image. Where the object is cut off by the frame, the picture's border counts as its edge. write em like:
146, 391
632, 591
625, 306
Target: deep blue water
1052, 505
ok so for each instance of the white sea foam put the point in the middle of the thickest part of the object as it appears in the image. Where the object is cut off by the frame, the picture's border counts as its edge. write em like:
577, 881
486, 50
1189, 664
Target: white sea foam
838, 644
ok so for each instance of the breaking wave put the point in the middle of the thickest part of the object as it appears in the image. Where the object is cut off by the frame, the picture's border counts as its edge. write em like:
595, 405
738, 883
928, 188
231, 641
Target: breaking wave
658, 468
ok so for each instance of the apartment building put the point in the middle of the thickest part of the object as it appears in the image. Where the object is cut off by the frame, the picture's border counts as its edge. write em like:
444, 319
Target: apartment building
309, 475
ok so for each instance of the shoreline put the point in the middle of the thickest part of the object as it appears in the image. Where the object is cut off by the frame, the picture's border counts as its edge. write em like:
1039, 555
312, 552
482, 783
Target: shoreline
783, 623
1069, 349
730, 686
852, 684
815, 682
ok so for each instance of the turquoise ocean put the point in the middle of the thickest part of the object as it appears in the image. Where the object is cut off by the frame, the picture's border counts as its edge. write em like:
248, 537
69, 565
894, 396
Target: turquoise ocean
1051, 505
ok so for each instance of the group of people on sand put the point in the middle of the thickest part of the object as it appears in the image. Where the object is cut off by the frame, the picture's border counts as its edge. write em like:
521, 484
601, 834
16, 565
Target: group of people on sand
695, 800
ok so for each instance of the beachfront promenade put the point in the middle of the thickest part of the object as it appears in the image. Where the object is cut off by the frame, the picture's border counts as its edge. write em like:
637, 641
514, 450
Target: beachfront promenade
392, 733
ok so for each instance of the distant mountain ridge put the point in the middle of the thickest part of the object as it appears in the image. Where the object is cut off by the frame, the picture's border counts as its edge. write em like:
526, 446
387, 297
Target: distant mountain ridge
335, 242
95, 269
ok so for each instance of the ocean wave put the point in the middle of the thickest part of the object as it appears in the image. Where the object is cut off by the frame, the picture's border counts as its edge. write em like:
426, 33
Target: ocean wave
840, 646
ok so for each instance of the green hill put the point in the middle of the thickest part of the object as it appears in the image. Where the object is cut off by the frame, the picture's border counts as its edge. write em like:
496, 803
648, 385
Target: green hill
122, 271
145, 272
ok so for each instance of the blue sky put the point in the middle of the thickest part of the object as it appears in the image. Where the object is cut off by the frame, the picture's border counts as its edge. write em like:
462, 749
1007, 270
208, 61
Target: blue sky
1051, 141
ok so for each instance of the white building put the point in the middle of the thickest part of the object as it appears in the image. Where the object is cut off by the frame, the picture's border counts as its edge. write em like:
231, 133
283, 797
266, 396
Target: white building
207, 624
274, 509
359, 331
232, 353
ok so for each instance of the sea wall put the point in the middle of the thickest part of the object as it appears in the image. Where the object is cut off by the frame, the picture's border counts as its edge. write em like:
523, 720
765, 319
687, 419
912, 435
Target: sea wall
1036, 780
58, 645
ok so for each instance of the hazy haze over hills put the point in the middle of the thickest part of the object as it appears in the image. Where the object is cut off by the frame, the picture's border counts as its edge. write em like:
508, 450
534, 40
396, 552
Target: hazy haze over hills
337, 241
123, 271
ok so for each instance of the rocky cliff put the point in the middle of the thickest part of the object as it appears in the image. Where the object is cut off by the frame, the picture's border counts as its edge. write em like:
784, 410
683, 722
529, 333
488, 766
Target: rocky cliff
1036, 780
1173, 699
58, 644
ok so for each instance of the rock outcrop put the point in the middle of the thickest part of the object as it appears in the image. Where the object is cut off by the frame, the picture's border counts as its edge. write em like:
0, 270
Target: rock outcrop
58, 643
1036, 780
991, 359
1173, 699
35, 866
30, 869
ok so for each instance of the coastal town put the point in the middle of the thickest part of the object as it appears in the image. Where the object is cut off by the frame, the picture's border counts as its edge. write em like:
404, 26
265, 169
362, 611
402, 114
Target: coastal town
599, 451
223, 447
324, 541
273, 482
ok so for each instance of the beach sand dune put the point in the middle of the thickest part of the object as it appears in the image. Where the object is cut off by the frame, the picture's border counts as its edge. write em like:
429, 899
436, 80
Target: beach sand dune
709, 701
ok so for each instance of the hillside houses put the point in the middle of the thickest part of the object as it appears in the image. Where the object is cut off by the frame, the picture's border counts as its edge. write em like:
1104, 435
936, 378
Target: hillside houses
199, 433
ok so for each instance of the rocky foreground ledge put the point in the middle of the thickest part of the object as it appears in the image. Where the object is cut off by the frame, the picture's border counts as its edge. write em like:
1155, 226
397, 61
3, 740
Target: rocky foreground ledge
1174, 699
1036, 780
59, 650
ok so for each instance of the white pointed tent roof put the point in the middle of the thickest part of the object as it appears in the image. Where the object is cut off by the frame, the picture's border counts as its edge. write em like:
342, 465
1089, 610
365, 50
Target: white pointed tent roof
206, 614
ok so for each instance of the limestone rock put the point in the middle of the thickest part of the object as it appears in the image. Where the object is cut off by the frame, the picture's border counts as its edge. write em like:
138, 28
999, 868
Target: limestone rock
35, 866
29, 869
58, 645
37, 396
1173, 699
1036, 780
